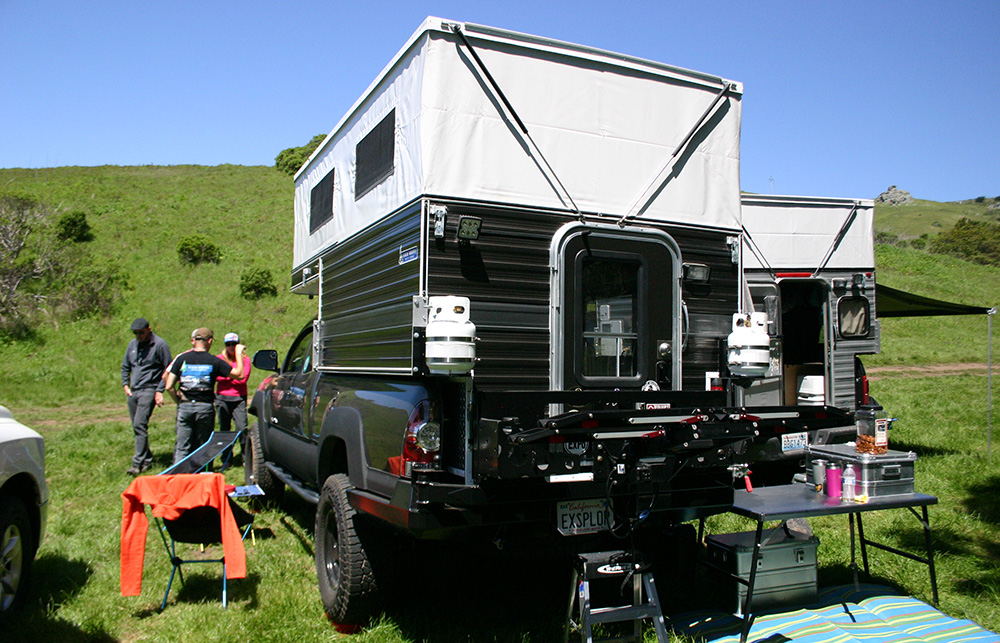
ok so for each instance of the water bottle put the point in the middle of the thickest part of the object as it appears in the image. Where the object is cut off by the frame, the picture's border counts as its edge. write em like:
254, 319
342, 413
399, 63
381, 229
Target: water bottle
850, 479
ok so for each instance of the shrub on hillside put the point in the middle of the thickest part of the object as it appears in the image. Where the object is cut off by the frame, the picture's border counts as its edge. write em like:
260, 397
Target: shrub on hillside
92, 290
257, 283
43, 273
975, 241
290, 160
73, 226
197, 248
886, 238
29, 253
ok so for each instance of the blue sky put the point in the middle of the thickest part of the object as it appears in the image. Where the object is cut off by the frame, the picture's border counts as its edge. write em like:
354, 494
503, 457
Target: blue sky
841, 98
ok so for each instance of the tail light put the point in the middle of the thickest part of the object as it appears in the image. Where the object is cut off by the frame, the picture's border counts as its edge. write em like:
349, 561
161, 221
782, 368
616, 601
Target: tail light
422, 440
865, 398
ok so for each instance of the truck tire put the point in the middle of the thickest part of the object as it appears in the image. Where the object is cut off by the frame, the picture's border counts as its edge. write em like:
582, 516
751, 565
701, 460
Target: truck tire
17, 551
255, 470
346, 580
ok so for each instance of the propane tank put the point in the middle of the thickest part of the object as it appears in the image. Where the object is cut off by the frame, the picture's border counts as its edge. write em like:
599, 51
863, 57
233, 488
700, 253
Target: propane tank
749, 345
450, 344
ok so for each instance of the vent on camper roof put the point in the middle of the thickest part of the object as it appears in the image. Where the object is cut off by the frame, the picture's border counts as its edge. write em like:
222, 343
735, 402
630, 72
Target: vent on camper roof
321, 203
374, 155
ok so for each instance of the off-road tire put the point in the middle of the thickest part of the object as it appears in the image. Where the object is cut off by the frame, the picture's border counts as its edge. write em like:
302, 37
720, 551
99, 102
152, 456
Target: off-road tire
256, 472
17, 552
346, 579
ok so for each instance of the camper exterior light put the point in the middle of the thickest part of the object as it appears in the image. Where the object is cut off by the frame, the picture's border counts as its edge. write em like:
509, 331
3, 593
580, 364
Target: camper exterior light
697, 273
468, 228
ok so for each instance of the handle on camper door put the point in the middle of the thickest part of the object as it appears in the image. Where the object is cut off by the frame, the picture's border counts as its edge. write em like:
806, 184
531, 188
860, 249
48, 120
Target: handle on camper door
685, 326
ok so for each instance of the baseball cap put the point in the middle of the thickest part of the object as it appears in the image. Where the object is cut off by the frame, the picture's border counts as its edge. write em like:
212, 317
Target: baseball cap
140, 323
232, 337
202, 333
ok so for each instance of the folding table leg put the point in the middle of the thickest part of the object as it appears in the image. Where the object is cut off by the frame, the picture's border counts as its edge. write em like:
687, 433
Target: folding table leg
930, 552
747, 616
864, 547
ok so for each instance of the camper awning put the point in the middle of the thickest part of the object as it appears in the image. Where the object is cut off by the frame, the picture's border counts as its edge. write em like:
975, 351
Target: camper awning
890, 302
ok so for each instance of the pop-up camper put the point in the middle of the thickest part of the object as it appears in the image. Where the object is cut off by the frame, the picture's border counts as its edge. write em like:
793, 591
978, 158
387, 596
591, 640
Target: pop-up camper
809, 263
526, 257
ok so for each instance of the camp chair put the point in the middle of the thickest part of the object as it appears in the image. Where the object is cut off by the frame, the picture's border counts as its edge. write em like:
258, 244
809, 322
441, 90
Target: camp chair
220, 442
189, 508
200, 526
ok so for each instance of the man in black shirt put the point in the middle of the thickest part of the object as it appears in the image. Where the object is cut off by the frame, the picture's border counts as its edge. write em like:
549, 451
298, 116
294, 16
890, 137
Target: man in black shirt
196, 371
145, 360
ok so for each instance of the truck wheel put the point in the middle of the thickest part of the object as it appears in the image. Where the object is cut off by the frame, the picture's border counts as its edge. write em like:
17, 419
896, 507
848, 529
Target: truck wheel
346, 581
17, 551
255, 471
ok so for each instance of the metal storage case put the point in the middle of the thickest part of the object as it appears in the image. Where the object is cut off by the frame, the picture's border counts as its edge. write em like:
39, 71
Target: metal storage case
877, 475
786, 568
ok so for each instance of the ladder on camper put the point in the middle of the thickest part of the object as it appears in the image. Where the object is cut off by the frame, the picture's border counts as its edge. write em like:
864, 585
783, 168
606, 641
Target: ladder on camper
617, 569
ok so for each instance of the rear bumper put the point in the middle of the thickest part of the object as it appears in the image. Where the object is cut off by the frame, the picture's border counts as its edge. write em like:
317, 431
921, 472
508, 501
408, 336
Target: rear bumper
431, 509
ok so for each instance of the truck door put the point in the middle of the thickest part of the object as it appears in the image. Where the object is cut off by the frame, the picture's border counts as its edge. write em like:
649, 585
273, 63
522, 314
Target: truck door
619, 296
292, 389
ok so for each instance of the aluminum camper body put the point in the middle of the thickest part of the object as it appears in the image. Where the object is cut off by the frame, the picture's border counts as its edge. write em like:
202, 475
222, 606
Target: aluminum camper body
810, 263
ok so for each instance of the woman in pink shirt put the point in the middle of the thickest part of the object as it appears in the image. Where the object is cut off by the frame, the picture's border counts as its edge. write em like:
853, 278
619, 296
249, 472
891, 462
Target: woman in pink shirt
231, 394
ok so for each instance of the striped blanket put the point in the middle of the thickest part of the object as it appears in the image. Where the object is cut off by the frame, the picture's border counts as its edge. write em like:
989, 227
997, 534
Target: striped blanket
841, 615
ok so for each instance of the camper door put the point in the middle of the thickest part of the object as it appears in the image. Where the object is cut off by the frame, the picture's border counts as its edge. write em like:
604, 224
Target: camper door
618, 297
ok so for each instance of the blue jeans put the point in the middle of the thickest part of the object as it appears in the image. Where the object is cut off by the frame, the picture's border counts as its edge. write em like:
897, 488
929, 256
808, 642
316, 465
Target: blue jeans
195, 423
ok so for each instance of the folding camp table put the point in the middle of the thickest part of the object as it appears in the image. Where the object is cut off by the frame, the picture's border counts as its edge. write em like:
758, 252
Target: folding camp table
786, 502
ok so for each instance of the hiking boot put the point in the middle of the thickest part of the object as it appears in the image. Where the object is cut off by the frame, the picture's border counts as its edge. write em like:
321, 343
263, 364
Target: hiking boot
133, 471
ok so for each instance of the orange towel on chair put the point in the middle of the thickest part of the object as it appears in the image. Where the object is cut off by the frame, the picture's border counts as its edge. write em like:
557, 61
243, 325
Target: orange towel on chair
169, 496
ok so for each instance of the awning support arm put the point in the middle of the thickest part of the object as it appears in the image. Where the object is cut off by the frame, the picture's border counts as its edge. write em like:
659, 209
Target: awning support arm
649, 193
457, 29
840, 237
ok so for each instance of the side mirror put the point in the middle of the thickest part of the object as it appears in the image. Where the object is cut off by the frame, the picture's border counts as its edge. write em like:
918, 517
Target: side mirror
266, 360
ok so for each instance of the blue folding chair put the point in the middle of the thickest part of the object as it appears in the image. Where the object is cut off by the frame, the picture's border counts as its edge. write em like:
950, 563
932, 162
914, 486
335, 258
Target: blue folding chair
201, 525
220, 443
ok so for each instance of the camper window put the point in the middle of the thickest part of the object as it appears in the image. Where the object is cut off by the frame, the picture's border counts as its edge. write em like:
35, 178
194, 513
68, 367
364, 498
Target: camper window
321, 202
852, 316
610, 307
374, 156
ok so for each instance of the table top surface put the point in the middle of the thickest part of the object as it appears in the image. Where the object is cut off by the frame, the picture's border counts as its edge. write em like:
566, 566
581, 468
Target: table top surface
800, 501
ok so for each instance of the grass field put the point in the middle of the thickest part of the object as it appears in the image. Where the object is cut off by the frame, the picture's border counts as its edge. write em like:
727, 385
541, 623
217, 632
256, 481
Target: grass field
65, 383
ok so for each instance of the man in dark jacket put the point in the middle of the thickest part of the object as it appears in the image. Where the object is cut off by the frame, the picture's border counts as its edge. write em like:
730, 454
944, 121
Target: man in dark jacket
146, 357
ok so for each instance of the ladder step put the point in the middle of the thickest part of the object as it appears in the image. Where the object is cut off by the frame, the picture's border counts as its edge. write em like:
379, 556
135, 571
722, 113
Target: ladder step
625, 613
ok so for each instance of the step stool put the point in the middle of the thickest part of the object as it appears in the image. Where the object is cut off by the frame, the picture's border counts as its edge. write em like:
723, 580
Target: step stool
614, 567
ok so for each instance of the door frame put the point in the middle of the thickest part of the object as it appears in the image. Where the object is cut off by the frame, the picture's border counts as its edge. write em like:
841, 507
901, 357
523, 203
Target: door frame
558, 304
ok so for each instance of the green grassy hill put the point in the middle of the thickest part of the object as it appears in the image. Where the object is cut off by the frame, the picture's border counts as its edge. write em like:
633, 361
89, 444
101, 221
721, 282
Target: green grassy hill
138, 216
931, 217
924, 340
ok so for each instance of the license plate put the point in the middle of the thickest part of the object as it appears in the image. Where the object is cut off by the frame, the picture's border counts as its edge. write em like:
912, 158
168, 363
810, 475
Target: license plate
794, 441
582, 517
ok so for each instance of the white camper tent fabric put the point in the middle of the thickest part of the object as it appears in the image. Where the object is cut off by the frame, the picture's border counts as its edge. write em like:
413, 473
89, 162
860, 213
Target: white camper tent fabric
606, 123
796, 233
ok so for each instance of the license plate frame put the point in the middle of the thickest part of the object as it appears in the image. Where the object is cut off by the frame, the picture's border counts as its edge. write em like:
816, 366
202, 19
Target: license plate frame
794, 441
575, 517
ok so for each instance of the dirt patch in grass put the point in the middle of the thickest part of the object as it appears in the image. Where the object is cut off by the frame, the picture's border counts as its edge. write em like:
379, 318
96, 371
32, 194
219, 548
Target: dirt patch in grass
931, 370
54, 419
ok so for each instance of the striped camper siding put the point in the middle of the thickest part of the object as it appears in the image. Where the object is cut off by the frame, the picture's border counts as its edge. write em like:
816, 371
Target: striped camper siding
366, 297
506, 275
